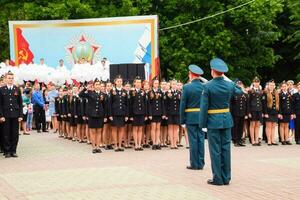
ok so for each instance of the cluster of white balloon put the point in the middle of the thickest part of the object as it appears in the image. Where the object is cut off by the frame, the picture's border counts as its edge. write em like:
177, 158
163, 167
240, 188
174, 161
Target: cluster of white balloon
59, 75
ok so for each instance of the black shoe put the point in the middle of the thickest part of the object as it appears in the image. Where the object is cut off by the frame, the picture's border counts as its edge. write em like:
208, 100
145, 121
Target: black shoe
179, 145
158, 147
275, 144
121, 149
288, 143
211, 182
187, 147
1, 151
193, 168
283, 142
45, 131
98, 150
14, 155
94, 151
136, 149
141, 149
154, 147
7, 155
269, 144
241, 144
39, 131
117, 150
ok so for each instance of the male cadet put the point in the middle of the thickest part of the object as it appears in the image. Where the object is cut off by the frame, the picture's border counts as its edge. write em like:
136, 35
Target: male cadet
216, 117
11, 114
189, 117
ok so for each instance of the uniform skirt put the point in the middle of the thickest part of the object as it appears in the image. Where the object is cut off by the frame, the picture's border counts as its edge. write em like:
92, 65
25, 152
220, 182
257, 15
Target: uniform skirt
138, 120
164, 122
58, 118
72, 121
156, 119
66, 119
95, 122
173, 120
272, 118
256, 116
285, 119
24, 118
118, 121
79, 120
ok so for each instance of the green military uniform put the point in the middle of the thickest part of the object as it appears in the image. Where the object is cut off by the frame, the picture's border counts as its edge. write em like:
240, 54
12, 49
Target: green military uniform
216, 117
189, 116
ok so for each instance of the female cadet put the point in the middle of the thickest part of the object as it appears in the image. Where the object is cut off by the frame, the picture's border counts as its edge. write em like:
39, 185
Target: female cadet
57, 105
255, 107
164, 123
285, 113
128, 127
157, 107
271, 108
173, 102
78, 114
97, 112
119, 112
107, 125
138, 112
147, 128
103, 137
72, 112
64, 112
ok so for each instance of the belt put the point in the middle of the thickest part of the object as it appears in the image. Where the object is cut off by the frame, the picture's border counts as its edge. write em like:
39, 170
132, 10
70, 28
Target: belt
218, 111
192, 110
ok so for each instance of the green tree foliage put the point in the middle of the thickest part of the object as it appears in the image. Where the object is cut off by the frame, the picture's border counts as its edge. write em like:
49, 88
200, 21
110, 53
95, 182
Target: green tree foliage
247, 38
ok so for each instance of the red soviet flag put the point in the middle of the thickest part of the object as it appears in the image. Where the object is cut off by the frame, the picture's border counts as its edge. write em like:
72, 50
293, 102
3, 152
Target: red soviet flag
24, 53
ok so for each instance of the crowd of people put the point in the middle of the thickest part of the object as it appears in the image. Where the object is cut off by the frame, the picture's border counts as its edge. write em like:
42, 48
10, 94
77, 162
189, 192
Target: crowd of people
146, 114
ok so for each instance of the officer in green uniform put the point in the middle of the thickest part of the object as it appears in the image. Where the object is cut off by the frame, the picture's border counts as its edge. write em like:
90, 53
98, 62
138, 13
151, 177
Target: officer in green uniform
189, 117
216, 117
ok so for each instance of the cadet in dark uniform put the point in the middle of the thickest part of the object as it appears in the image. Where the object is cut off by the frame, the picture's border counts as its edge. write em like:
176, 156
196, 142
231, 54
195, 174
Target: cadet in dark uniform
138, 112
72, 112
296, 112
189, 117
255, 108
119, 112
79, 114
270, 110
173, 103
285, 113
215, 115
147, 129
239, 112
128, 131
57, 106
107, 125
64, 111
164, 122
97, 113
158, 111
10, 115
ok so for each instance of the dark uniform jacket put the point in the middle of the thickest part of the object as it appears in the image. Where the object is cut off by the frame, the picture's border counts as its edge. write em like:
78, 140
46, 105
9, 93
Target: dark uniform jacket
11, 102
119, 104
97, 103
156, 103
255, 101
269, 110
285, 103
138, 103
64, 105
173, 102
57, 105
239, 105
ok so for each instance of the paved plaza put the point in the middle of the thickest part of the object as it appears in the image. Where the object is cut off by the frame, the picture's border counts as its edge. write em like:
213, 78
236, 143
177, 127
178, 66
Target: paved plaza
53, 168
